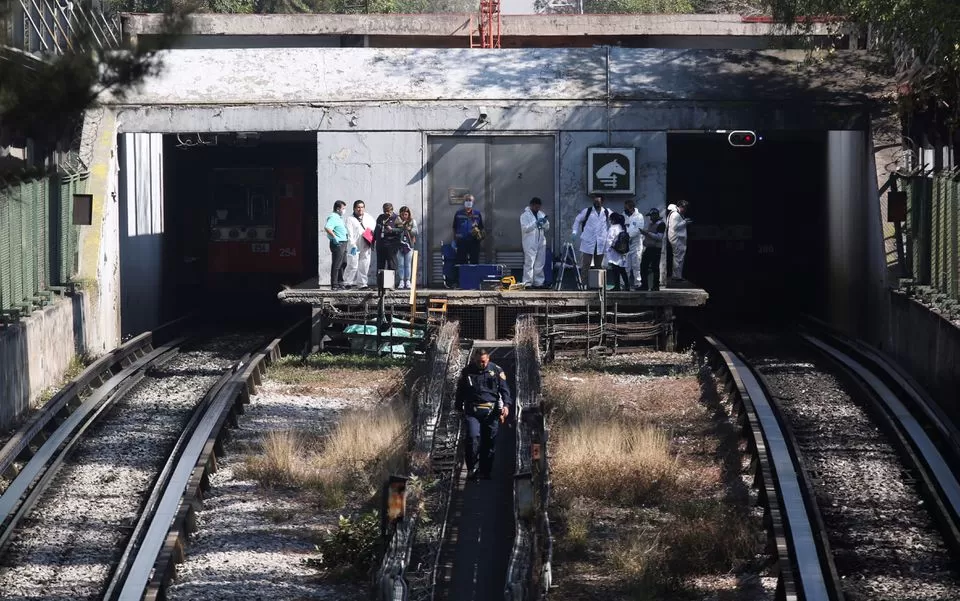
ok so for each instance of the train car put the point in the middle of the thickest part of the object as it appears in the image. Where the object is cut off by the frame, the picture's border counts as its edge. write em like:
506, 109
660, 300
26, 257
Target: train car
255, 225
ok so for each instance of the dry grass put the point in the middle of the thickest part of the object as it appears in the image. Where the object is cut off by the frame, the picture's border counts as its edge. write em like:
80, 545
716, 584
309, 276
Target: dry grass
355, 458
614, 460
641, 453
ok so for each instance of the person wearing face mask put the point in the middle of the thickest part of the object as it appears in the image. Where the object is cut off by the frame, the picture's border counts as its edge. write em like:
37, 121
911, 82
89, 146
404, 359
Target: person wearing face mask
592, 226
634, 225
677, 237
533, 231
468, 232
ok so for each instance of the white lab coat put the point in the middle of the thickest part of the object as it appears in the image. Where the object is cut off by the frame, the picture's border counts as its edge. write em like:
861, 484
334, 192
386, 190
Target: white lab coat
534, 245
677, 237
358, 264
613, 257
634, 223
593, 238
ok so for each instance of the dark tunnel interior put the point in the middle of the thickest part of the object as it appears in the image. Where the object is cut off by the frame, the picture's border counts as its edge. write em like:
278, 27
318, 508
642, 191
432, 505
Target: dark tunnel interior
756, 242
242, 213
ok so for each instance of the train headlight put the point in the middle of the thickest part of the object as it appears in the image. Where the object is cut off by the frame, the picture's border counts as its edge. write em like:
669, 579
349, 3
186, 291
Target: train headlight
743, 139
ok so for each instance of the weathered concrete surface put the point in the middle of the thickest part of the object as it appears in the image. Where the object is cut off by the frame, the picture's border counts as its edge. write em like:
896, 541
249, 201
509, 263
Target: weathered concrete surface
292, 76
99, 257
376, 167
515, 116
34, 354
928, 347
459, 25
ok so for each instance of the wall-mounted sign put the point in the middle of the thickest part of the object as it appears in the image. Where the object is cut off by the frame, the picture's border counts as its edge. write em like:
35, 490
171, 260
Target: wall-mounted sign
457, 195
611, 170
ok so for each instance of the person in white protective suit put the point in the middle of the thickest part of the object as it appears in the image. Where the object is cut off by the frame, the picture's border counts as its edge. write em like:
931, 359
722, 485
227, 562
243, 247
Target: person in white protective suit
591, 226
533, 228
677, 236
358, 248
634, 225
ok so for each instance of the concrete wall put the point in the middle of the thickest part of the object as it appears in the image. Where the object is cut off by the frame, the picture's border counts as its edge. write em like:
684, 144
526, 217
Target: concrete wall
852, 218
34, 354
382, 166
928, 347
376, 167
99, 256
141, 231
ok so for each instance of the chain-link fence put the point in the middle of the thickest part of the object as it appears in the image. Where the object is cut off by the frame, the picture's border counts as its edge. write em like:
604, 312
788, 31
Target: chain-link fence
38, 241
933, 232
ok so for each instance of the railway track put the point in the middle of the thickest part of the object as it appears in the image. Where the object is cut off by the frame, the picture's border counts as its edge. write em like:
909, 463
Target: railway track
869, 465
98, 503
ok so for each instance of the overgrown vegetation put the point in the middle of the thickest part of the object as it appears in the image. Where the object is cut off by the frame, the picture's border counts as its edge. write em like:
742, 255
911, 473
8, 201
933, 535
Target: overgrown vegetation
321, 367
352, 550
354, 459
640, 501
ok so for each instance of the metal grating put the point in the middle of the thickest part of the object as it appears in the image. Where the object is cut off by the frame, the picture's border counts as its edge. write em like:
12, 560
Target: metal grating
471, 321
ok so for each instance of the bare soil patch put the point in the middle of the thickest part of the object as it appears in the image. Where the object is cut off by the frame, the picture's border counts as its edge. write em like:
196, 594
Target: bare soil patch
649, 500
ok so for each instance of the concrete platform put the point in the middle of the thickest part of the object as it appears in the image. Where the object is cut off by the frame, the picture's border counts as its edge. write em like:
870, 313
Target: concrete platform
681, 294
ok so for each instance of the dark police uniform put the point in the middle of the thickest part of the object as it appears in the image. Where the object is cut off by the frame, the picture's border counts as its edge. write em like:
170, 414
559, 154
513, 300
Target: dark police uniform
478, 393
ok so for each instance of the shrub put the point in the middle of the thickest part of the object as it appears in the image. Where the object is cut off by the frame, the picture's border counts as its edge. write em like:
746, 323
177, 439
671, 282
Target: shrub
352, 549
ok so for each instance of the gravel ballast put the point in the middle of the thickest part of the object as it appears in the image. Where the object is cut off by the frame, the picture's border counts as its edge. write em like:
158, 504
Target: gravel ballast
253, 542
66, 548
884, 542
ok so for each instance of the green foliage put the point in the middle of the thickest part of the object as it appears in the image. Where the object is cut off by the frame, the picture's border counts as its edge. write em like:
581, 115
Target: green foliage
43, 100
352, 549
637, 6
921, 38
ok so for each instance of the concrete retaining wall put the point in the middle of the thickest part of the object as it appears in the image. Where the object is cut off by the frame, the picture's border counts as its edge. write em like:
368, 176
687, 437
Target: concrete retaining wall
928, 347
35, 353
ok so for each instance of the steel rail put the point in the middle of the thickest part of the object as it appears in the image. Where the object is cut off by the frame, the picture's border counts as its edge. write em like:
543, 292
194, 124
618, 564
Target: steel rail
157, 545
806, 569
149, 509
69, 398
29, 485
897, 404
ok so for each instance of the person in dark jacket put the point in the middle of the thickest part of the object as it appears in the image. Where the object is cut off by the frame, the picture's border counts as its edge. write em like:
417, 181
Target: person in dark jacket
484, 398
387, 235
468, 232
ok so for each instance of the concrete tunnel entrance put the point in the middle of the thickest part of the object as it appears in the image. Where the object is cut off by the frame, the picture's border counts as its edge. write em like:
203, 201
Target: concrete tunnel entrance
242, 214
758, 241
213, 220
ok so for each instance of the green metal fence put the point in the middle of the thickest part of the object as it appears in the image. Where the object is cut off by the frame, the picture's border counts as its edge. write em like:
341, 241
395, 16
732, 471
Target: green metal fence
38, 241
933, 232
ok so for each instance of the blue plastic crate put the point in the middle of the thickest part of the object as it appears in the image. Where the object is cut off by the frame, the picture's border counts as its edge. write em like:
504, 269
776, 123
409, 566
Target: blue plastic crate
471, 275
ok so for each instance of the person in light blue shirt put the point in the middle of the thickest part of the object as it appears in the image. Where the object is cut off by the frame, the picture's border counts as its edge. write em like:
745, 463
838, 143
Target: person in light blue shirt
336, 230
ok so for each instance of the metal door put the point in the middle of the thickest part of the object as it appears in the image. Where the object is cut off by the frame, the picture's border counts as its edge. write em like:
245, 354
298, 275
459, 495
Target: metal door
520, 168
503, 173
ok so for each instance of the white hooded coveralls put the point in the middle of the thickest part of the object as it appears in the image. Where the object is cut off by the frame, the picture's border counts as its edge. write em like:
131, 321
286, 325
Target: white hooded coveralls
358, 264
593, 238
677, 237
634, 223
533, 229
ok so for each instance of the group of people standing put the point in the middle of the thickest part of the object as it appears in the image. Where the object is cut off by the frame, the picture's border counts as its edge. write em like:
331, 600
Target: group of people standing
630, 246
355, 238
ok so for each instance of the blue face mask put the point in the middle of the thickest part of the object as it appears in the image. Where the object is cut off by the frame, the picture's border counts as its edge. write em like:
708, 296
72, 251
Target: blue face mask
468, 204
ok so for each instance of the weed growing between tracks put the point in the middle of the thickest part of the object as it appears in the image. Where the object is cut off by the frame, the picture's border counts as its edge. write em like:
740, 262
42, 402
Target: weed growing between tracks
646, 478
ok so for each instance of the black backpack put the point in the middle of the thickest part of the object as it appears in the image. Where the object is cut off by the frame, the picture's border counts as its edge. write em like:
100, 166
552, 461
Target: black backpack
621, 243
586, 217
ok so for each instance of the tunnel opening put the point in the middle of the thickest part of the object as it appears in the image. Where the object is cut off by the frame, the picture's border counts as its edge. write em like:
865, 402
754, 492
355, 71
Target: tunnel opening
241, 217
757, 242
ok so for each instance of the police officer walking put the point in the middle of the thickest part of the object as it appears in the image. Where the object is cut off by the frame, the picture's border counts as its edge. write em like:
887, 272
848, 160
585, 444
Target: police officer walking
484, 398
